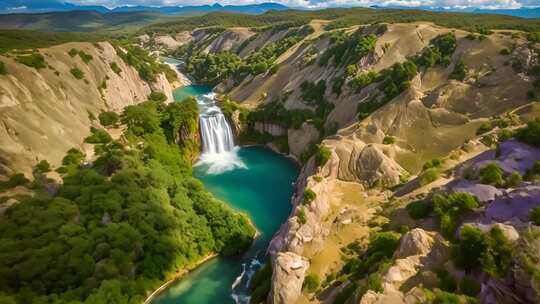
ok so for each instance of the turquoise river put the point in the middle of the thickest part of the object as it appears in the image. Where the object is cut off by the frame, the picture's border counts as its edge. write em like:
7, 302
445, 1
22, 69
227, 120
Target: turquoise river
262, 188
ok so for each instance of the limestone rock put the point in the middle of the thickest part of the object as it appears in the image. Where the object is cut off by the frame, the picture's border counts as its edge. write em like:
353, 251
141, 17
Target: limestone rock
415, 242
300, 139
287, 278
515, 206
373, 166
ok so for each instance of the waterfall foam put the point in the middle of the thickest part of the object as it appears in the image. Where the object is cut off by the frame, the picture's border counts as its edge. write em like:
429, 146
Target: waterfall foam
218, 150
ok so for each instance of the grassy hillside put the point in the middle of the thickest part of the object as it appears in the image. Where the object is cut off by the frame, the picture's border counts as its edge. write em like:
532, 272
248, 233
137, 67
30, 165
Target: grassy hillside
23, 39
78, 21
348, 17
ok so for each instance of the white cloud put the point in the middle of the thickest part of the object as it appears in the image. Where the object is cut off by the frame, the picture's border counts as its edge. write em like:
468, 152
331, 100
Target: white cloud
493, 4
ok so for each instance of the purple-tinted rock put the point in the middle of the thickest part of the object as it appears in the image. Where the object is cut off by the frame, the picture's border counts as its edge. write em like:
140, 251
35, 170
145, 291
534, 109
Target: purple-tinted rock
514, 156
484, 193
516, 205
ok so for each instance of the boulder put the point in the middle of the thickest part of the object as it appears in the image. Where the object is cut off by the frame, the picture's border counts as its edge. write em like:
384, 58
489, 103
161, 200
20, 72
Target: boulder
372, 167
484, 193
415, 242
514, 206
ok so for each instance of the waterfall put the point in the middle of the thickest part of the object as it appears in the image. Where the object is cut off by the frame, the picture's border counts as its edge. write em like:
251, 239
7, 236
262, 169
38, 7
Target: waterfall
218, 150
216, 134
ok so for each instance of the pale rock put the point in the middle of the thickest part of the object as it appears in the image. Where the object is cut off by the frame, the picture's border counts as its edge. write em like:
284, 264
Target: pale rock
288, 274
415, 242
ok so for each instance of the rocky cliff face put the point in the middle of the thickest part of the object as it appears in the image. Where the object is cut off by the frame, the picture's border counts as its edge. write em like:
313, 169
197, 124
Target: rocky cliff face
45, 112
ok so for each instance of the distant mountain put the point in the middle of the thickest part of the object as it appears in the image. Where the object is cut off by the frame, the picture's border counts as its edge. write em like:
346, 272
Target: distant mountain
203, 9
521, 12
77, 21
40, 6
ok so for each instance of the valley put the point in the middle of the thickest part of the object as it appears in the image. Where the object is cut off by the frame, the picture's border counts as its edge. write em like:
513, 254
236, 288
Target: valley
327, 156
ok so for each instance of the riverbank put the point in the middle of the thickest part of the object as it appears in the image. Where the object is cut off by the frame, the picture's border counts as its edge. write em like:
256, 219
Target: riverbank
179, 276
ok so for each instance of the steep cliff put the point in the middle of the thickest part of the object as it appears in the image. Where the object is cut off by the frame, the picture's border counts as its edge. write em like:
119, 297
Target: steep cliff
46, 111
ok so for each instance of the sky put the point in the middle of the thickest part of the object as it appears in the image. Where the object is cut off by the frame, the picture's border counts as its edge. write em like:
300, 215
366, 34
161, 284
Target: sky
488, 4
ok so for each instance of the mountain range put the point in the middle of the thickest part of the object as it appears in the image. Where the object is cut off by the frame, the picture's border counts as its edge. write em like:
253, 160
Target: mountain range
18, 6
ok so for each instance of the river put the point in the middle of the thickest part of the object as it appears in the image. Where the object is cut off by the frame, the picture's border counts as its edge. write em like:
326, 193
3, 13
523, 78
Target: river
254, 180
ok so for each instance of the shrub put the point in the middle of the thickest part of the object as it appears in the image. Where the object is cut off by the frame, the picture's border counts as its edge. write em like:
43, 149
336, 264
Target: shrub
86, 58
317, 178
157, 96
43, 166
469, 286
322, 155
533, 174
513, 180
443, 297
108, 118
531, 133
34, 60
505, 134
389, 140
114, 66
492, 252
460, 71
3, 70
419, 209
428, 176
450, 207
374, 282
73, 157
491, 174
301, 217
77, 73
484, 128
73, 52
98, 136
15, 180
434, 163
309, 196
311, 282
447, 282
534, 215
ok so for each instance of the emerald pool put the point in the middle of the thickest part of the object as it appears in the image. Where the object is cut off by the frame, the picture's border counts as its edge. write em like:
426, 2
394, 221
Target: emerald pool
261, 188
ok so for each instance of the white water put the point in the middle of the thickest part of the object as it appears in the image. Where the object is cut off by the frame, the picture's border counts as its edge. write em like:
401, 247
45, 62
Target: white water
240, 287
218, 150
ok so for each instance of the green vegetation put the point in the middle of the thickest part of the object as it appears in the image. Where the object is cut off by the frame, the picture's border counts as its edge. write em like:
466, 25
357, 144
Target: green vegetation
108, 119
322, 155
447, 282
43, 166
15, 180
260, 284
534, 216
419, 209
3, 70
114, 66
309, 196
363, 80
118, 227
491, 252
439, 52
513, 180
469, 286
502, 122
77, 73
380, 250
434, 163
348, 48
33, 60
460, 71
428, 176
531, 133
311, 282
86, 58
450, 207
492, 174
215, 67
301, 216
389, 140
98, 136
144, 63
533, 174
24, 40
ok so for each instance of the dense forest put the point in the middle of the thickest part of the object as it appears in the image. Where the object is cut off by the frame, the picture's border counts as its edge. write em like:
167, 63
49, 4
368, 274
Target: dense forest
118, 226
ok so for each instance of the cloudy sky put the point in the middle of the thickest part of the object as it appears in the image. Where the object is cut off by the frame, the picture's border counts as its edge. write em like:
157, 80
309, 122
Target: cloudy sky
316, 3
